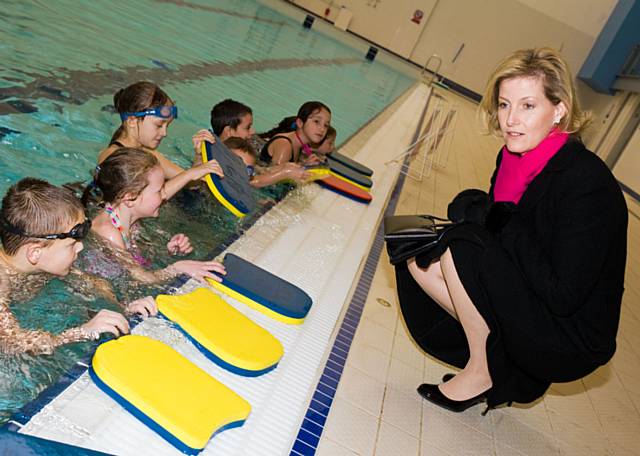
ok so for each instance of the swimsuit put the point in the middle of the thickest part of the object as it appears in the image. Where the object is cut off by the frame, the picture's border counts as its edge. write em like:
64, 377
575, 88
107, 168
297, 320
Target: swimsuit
264, 153
129, 241
305, 147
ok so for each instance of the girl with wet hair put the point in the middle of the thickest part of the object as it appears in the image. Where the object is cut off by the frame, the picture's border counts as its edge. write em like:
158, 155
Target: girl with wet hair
133, 187
291, 139
146, 112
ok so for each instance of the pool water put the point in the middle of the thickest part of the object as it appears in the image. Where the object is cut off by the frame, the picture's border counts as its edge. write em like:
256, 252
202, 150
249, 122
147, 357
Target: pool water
63, 61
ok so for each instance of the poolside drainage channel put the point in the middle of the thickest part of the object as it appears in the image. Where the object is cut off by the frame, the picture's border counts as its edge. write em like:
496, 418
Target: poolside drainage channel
312, 426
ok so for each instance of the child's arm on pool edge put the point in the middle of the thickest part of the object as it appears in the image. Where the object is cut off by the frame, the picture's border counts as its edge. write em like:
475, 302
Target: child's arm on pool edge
15, 339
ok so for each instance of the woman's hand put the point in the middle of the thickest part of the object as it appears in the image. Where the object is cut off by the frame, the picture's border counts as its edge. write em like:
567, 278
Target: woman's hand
199, 138
179, 244
200, 269
106, 321
144, 306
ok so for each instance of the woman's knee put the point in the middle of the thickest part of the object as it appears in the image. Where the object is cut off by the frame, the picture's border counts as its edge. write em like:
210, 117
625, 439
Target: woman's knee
447, 258
431, 272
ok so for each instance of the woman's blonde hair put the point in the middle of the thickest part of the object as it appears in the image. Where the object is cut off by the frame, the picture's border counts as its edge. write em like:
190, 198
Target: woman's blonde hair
557, 81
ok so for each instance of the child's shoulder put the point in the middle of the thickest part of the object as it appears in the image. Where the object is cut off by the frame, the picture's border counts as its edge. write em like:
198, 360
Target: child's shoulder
106, 152
5, 284
101, 226
20, 286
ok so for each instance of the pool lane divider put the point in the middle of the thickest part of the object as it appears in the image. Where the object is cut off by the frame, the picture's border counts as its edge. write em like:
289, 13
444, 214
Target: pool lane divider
312, 426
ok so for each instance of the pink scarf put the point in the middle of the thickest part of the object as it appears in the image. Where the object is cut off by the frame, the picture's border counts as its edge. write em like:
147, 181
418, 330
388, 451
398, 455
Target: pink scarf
517, 171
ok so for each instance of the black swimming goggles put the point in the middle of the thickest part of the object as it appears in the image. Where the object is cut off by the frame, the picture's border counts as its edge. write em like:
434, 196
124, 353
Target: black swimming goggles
78, 232
164, 112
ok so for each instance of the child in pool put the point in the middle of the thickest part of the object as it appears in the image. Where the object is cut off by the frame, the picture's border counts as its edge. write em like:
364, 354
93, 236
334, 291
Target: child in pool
328, 144
133, 187
243, 149
291, 140
42, 227
232, 119
146, 112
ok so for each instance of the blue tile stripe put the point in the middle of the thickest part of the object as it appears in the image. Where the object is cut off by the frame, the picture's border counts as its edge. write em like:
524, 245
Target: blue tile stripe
318, 410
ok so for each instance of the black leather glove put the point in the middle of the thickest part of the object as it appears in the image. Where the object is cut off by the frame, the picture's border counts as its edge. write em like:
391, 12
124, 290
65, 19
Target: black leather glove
469, 206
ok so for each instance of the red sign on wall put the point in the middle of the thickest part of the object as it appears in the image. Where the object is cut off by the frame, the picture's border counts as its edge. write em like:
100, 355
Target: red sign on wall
417, 16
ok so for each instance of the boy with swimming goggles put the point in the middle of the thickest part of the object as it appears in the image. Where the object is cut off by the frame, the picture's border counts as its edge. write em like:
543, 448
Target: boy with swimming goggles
42, 227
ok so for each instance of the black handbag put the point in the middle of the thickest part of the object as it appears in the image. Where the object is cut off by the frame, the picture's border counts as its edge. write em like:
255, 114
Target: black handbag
409, 235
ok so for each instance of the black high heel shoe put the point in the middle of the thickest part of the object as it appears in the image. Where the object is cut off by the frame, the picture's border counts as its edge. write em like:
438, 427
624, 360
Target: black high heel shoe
433, 394
447, 377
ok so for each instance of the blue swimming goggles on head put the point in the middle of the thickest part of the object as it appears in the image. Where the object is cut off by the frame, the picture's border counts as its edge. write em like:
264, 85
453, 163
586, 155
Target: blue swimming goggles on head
164, 112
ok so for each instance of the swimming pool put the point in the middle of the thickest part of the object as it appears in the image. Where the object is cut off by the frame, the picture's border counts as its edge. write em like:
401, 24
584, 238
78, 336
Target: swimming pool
62, 64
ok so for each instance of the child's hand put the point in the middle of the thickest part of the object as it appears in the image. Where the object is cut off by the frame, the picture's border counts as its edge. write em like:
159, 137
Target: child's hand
179, 244
202, 170
199, 137
197, 159
322, 157
106, 321
200, 269
212, 166
313, 159
144, 306
296, 172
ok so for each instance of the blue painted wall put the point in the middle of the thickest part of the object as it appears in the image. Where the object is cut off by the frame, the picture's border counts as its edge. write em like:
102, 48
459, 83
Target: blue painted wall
612, 47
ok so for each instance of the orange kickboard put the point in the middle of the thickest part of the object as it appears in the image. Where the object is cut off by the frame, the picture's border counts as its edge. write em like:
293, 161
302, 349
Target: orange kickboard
345, 189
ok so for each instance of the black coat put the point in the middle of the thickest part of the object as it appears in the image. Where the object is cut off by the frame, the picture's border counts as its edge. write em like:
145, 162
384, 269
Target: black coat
549, 283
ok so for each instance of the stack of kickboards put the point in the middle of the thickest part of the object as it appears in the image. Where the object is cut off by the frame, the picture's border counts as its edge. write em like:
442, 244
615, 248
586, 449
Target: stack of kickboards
170, 394
345, 176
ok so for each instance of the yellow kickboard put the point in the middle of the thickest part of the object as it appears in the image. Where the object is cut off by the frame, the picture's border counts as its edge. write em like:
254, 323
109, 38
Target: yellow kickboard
166, 391
222, 333
317, 173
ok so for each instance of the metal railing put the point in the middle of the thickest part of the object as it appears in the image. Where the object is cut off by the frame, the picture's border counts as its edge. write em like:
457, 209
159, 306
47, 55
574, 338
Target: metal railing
432, 73
431, 149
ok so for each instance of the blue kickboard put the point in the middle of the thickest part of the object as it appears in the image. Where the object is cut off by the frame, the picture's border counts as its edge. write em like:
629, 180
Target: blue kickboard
234, 188
348, 173
350, 163
264, 288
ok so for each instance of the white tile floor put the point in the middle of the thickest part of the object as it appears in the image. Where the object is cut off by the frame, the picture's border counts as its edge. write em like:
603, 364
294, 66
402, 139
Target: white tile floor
377, 410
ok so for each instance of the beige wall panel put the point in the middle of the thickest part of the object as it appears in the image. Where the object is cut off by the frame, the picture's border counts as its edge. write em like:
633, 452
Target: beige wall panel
489, 30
